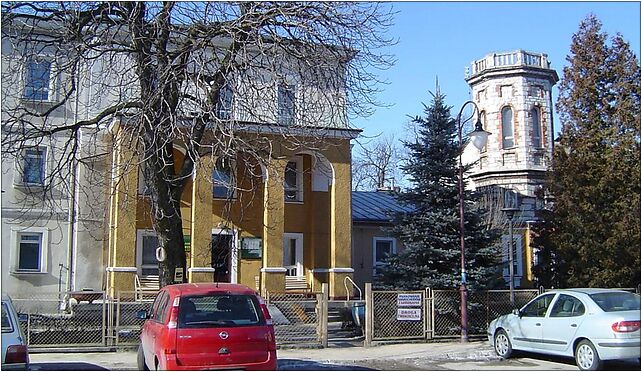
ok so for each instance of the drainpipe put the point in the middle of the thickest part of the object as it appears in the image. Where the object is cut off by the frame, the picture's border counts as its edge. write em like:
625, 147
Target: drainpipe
73, 229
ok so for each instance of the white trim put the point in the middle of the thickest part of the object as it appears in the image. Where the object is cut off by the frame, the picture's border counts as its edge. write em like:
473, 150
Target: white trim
200, 270
376, 239
121, 269
233, 263
341, 270
319, 270
298, 251
274, 270
15, 249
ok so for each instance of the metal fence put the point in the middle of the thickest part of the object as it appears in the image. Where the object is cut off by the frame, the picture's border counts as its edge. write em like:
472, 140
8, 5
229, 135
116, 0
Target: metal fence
126, 326
483, 306
298, 317
398, 315
64, 319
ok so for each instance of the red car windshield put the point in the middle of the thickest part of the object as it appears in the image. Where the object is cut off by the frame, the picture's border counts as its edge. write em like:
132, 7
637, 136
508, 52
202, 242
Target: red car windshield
616, 301
219, 310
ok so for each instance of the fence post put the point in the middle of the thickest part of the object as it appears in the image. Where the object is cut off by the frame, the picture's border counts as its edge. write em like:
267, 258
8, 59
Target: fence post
323, 317
428, 314
369, 316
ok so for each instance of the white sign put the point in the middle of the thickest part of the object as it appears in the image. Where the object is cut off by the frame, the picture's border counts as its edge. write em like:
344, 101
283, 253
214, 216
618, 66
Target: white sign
408, 314
178, 275
408, 299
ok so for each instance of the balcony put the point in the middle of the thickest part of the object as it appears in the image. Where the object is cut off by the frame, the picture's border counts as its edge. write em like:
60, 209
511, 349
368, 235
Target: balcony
508, 59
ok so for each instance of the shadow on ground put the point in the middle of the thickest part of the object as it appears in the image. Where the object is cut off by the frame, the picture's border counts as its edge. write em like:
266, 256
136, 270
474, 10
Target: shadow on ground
607, 365
65, 366
311, 365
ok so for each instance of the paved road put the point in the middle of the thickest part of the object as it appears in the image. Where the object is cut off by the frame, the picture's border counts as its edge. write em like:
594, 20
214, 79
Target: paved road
476, 355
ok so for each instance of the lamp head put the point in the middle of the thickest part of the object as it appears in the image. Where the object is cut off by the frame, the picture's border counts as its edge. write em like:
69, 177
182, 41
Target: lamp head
479, 136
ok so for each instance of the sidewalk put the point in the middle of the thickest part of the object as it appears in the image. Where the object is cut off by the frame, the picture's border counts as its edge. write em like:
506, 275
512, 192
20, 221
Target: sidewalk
306, 358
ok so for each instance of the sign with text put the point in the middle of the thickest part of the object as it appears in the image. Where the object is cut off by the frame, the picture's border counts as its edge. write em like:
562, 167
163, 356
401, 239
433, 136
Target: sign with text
408, 314
408, 299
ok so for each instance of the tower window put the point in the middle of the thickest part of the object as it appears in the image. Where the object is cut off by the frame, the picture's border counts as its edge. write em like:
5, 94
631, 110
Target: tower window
537, 128
507, 128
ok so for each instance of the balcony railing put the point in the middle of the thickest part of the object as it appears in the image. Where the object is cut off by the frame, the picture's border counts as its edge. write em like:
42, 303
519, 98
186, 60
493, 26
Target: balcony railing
508, 59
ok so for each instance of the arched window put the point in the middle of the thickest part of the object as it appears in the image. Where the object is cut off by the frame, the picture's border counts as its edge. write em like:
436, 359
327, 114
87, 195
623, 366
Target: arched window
223, 180
507, 128
537, 128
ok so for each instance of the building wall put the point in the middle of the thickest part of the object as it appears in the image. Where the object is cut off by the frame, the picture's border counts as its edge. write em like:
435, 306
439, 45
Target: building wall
363, 236
522, 81
245, 216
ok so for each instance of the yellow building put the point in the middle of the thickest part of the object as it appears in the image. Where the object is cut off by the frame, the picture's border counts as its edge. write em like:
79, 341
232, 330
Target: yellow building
262, 225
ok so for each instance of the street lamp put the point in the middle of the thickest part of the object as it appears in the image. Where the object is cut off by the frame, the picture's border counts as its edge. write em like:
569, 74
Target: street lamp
478, 138
510, 213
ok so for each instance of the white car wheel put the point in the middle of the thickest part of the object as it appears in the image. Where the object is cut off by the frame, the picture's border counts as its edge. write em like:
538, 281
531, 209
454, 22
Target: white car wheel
586, 356
503, 347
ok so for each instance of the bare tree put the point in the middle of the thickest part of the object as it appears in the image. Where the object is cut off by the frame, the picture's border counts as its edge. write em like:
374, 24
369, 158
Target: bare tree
199, 76
376, 166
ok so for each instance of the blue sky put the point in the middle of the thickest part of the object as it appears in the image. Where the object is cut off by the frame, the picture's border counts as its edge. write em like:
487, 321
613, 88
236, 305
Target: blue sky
439, 39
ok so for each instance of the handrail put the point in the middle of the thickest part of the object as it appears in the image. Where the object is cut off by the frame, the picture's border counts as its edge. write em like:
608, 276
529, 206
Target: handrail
345, 284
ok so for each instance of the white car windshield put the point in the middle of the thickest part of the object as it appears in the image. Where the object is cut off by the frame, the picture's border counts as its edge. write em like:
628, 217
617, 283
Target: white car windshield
616, 301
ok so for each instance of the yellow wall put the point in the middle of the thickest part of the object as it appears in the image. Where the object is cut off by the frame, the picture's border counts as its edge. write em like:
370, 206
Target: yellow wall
323, 217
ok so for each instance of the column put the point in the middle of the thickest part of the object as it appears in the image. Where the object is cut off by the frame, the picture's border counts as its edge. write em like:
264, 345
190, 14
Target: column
273, 272
340, 230
200, 257
122, 232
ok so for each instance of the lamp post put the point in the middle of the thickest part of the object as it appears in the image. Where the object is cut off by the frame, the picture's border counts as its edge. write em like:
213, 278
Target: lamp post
478, 137
510, 213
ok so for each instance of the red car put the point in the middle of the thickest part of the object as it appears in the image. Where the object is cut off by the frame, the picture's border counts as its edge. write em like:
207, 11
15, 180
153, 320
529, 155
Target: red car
200, 326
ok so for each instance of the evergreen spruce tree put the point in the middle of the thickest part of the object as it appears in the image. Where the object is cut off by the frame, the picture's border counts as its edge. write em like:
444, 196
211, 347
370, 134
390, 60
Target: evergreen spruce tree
430, 233
592, 233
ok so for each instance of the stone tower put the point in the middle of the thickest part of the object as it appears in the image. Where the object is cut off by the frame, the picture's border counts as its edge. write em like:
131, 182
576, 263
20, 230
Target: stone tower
513, 93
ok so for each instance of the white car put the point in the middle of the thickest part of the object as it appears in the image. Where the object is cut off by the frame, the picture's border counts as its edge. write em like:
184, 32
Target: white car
15, 354
590, 325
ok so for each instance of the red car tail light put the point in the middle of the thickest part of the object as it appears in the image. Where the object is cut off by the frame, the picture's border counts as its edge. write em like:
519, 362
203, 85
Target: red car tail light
626, 326
173, 314
17, 354
266, 312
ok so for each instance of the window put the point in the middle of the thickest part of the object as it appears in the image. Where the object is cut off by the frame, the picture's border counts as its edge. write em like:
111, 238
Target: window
616, 301
38, 76
537, 308
33, 166
143, 189
286, 103
30, 252
507, 128
294, 180
7, 326
146, 245
382, 248
225, 101
293, 254
537, 128
517, 257
160, 307
223, 179
219, 310
567, 306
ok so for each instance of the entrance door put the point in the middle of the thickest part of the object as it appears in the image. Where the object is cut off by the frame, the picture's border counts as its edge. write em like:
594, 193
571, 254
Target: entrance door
222, 257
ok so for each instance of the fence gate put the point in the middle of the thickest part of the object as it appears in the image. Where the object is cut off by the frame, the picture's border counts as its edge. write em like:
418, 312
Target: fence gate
298, 317
125, 326
73, 319
395, 315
